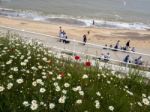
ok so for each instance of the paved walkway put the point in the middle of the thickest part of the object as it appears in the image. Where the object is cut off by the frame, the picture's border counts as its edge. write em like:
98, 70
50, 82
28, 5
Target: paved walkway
74, 46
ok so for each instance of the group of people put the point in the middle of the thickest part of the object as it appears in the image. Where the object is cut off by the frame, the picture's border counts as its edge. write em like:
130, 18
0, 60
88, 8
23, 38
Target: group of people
127, 59
63, 36
126, 47
119, 47
137, 61
105, 57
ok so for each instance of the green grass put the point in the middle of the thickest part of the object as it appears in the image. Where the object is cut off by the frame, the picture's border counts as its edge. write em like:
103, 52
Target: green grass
37, 67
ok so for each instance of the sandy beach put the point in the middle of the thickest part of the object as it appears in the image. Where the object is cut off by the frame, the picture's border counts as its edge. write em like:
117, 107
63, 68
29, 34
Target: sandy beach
139, 38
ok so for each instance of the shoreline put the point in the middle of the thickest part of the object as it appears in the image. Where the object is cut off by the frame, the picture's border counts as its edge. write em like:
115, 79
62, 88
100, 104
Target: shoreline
78, 21
139, 38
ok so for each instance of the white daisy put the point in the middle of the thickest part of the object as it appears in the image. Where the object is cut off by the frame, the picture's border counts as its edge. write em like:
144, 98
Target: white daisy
19, 81
26, 103
145, 101
62, 99
66, 85
84, 76
51, 105
9, 85
2, 88
34, 106
111, 108
79, 101
42, 90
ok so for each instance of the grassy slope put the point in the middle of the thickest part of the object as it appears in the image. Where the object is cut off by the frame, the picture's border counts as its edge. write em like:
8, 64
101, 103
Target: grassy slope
39, 64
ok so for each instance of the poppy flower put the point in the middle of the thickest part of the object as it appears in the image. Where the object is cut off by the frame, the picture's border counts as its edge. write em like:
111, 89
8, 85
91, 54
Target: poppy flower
88, 64
62, 74
77, 57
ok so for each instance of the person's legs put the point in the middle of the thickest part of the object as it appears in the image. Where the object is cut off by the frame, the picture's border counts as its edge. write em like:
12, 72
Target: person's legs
84, 42
64, 41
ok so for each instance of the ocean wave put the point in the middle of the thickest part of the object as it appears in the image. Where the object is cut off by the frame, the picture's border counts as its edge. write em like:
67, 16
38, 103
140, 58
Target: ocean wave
39, 16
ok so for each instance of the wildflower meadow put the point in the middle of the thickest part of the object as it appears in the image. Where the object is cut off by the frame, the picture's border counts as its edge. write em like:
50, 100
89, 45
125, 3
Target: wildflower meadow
33, 78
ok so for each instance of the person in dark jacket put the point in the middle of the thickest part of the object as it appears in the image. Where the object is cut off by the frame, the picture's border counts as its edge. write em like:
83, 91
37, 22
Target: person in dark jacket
84, 39
127, 59
127, 45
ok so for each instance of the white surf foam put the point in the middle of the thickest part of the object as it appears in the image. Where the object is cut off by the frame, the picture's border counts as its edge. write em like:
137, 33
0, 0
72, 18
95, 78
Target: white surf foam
39, 16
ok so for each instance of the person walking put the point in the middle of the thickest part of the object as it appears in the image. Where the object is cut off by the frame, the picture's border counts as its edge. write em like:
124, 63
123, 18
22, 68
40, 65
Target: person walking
60, 31
93, 22
127, 45
84, 39
117, 44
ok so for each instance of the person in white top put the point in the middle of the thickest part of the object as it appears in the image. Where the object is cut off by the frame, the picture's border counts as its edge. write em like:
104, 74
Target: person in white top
107, 57
102, 57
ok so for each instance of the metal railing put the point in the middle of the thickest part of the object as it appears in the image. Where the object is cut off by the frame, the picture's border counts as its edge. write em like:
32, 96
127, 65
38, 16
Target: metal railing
74, 47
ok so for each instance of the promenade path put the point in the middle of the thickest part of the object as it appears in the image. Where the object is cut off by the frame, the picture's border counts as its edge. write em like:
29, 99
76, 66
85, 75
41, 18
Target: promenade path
93, 50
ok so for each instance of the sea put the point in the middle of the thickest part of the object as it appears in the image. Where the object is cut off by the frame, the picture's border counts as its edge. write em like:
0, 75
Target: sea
117, 14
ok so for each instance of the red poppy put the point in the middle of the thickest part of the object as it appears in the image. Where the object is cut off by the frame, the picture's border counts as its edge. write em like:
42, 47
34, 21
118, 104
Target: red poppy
77, 57
88, 64
62, 74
